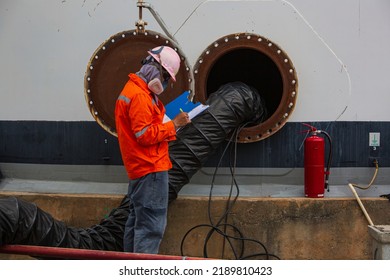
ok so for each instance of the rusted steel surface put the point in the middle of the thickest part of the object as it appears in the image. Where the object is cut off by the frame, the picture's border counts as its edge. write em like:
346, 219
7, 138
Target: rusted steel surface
110, 65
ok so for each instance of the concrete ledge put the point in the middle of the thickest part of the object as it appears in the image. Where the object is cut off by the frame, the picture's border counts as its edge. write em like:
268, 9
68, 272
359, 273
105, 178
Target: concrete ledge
381, 233
291, 228
380, 241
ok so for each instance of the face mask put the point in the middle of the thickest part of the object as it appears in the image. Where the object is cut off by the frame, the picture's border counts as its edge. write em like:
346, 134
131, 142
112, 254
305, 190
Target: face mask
153, 72
156, 86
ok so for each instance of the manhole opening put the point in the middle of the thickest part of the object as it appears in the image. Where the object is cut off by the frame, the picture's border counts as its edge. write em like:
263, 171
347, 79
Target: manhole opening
258, 62
252, 68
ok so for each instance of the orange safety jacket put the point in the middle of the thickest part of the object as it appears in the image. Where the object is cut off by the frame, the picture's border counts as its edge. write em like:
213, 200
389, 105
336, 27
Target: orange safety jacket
143, 137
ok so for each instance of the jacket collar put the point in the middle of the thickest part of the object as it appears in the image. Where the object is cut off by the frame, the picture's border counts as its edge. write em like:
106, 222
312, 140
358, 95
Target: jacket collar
143, 85
139, 82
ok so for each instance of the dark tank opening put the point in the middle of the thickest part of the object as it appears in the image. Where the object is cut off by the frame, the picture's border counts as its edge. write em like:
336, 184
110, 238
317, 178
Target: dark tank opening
258, 62
252, 68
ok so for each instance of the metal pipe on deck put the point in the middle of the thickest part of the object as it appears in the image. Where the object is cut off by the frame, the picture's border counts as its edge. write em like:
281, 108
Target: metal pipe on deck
83, 254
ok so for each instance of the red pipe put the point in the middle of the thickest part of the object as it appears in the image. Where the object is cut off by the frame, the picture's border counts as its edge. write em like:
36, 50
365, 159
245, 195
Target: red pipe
83, 254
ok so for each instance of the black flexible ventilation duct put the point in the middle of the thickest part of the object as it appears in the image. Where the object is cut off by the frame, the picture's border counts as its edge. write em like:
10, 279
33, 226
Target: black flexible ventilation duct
24, 223
232, 105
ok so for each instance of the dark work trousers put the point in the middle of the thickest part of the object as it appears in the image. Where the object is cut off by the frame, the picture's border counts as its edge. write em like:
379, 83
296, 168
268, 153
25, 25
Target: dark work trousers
147, 218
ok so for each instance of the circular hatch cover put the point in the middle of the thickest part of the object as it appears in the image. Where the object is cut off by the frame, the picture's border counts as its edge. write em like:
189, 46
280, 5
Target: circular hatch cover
112, 62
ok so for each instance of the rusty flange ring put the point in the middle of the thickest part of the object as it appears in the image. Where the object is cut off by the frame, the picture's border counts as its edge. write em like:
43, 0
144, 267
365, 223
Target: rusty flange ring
260, 63
108, 70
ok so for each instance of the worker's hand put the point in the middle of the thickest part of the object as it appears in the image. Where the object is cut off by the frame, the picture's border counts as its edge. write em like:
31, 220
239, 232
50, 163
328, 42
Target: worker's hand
181, 119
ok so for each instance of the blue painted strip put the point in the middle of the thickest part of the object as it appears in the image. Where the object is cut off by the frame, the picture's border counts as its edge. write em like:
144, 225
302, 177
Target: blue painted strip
52, 142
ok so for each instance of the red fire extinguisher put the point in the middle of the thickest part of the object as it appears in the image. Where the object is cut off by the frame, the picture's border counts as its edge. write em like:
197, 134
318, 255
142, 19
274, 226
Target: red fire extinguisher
316, 177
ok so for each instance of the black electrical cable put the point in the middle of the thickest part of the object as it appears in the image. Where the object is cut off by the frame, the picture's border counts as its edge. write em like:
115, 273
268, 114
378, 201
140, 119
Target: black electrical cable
228, 204
215, 227
235, 199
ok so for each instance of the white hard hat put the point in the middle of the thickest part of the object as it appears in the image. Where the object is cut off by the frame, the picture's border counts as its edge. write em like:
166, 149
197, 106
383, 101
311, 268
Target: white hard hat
168, 58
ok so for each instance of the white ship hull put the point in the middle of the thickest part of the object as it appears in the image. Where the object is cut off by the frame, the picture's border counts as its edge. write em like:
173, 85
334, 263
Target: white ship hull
338, 52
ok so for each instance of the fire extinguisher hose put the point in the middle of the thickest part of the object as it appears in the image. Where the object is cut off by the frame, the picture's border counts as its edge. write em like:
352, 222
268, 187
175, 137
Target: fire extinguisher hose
329, 161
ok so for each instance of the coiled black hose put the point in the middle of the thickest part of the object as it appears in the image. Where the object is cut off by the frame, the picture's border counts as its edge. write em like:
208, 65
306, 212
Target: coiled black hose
24, 223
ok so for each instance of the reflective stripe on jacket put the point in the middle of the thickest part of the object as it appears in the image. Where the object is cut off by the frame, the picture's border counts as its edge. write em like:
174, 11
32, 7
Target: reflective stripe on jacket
142, 135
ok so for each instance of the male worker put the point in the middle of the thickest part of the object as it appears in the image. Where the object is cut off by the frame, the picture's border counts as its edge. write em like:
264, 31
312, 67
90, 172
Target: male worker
143, 140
